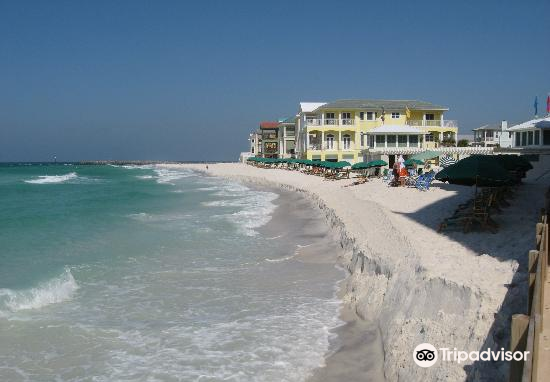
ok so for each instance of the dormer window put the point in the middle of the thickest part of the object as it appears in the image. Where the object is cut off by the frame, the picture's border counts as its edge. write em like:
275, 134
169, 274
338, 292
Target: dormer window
395, 115
430, 117
371, 115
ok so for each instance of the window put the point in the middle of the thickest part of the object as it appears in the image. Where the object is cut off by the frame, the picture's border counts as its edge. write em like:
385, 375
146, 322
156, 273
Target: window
371, 115
392, 140
362, 115
395, 115
371, 140
530, 138
362, 140
518, 139
380, 140
402, 140
329, 119
524, 138
429, 137
347, 141
430, 117
413, 140
346, 118
330, 141
537, 138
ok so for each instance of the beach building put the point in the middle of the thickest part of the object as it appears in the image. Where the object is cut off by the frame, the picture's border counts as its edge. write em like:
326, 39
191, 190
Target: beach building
343, 129
497, 135
270, 139
255, 143
306, 112
287, 137
533, 134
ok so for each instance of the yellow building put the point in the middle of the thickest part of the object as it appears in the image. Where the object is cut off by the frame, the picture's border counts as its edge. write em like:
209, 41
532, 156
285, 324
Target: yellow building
344, 129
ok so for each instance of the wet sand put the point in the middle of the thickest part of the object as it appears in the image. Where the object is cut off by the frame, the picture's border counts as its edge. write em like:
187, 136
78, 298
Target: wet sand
356, 350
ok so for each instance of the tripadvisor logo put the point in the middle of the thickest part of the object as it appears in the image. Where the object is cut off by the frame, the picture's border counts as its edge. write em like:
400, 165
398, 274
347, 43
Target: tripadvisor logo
426, 355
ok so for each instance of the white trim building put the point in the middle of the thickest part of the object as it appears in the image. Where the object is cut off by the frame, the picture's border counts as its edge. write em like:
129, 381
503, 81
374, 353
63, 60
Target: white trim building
532, 134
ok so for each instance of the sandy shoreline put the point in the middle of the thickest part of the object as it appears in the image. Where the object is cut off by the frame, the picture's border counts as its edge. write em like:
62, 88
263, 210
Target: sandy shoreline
451, 290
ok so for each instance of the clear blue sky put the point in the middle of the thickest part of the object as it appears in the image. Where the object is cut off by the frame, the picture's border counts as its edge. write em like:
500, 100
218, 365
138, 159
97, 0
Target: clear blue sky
188, 80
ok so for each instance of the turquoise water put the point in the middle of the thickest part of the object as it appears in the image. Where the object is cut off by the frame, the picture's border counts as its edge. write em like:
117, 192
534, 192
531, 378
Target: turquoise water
146, 274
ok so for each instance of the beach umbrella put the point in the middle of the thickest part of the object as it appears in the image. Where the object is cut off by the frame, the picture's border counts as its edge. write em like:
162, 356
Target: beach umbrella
479, 170
410, 162
446, 161
340, 164
376, 163
514, 162
359, 166
426, 155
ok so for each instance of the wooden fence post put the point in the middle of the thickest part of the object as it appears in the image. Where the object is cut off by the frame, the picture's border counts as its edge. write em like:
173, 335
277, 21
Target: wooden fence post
518, 342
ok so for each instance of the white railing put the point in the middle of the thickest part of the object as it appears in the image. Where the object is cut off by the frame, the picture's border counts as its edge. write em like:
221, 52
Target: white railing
348, 121
433, 123
313, 122
331, 122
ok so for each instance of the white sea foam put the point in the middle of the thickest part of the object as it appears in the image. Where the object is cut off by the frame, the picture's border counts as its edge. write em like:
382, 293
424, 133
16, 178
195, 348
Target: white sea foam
255, 207
144, 176
165, 176
53, 291
48, 179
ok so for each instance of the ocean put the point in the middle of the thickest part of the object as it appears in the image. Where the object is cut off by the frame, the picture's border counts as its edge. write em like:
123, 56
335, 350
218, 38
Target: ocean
139, 273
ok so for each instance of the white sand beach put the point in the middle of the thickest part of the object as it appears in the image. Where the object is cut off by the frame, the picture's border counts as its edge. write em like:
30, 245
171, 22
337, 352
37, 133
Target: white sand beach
449, 289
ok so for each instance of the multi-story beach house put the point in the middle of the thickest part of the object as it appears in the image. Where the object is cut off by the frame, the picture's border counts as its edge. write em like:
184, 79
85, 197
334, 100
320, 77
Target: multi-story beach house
270, 139
496, 135
287, 137
353, 129
533, 134
255, 141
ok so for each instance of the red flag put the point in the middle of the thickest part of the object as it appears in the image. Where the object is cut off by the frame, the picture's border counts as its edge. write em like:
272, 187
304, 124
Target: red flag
548, 104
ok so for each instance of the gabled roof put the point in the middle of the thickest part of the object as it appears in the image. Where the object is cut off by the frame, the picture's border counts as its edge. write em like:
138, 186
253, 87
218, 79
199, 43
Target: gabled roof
308, 107
378, 104
488, 127
268, 125
534, 123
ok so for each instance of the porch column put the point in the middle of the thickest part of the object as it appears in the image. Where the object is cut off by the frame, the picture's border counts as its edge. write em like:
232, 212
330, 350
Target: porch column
339, 140
322, 139
385, 141
307, 140
408, 140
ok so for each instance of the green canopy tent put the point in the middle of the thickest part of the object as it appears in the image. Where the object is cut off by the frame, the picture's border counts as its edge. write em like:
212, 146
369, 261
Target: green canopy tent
478, 170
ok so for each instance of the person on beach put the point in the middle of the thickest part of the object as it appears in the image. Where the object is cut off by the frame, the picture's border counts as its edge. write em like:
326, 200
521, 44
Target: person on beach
395, 171
206, 167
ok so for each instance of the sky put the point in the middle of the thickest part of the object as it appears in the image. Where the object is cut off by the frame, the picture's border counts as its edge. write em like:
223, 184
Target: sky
189, 80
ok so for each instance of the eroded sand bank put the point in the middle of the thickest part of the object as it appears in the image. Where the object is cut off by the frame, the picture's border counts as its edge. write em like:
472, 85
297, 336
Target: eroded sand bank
450, 290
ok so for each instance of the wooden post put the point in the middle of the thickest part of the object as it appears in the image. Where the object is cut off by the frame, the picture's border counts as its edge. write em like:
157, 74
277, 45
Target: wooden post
532, 269
518, 342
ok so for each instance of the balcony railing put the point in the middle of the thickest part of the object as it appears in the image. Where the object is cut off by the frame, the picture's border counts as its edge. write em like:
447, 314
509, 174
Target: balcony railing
331, 147
313, 122
432, 123
330, 122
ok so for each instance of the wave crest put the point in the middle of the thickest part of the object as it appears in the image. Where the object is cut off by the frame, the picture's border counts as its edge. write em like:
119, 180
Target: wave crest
53, 291
46, 179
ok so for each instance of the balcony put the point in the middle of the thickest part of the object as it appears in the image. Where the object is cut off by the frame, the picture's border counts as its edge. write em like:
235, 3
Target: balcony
335, 146
433, 123
330, 122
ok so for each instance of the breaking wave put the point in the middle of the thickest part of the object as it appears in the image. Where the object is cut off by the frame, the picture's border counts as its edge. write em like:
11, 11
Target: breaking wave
49, 179
53, 291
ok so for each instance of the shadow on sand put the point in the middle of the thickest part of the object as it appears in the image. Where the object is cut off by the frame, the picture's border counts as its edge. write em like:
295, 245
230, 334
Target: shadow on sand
515, 237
